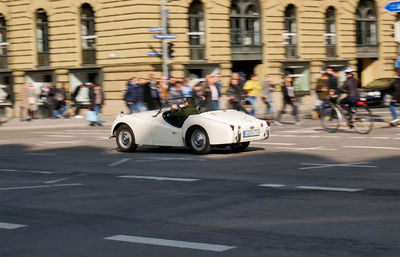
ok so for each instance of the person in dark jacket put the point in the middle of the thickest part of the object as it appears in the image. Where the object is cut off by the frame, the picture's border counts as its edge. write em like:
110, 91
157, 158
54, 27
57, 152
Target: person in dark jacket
96, 96
288, 98
130, 96
235, 94
60, 97
350, 86
395, 88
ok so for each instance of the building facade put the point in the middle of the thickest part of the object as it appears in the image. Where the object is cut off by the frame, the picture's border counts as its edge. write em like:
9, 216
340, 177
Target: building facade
108, 41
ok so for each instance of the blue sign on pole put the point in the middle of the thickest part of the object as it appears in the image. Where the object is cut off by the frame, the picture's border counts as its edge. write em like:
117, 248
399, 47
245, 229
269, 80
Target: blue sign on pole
155, 29
154, 53
392, 6
398, 62
164, 36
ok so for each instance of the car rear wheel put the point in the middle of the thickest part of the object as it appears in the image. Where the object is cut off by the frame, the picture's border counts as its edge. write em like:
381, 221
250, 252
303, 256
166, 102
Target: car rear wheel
199, 142
240, 146
126, 139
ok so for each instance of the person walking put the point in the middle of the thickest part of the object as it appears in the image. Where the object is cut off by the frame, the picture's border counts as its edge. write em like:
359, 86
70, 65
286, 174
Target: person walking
187, 90
28, 102
213, 91
78, 97
322, 91
60, 101
252, 88
235, 93
96, 96
176, 92
288, 98
395, 88
266, 94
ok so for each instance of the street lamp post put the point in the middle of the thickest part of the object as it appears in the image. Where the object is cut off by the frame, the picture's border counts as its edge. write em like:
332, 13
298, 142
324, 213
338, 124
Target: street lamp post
164, 21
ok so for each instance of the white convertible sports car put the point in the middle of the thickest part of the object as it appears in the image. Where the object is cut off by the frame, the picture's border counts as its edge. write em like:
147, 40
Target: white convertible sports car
184, 125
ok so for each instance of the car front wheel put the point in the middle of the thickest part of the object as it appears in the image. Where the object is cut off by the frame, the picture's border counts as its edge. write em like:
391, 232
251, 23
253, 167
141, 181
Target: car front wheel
126, 139
199, 142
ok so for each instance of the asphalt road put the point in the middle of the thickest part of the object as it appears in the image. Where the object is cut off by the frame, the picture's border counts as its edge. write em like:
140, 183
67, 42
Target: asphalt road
304, 192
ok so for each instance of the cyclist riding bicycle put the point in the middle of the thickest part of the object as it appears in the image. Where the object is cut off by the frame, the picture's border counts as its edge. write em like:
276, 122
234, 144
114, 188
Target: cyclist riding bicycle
350, 86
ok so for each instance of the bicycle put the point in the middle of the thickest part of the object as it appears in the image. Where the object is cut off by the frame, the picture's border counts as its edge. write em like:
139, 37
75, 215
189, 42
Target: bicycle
360, 117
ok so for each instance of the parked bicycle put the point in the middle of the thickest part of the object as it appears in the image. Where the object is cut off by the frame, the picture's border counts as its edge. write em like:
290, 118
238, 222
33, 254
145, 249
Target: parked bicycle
360, 117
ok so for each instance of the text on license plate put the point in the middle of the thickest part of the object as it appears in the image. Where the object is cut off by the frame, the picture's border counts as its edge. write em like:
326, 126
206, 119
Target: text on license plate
251, 133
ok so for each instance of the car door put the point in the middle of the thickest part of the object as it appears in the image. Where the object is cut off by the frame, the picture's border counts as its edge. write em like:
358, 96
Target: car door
165, 134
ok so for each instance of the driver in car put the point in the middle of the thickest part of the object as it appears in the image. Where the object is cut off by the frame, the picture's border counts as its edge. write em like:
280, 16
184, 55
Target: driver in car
180, 114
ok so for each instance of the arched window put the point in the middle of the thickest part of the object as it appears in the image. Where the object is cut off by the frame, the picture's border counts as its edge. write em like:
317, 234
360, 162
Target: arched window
245, 23
330, 32
196, 31
366, 23
3, 42
42, 38
291, 31
88, 35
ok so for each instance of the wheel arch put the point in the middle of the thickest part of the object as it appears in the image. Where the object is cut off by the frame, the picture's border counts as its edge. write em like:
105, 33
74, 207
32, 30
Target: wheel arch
116, 127
189, 131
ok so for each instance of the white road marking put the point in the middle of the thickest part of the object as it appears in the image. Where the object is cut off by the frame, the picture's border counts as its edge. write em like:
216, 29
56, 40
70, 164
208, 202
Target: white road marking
119, 162
171, 243
58, 136
372, 147
380, 137
59, 142
151, 159
63, 179
319, 148
4, 225
288, 144
82, 130
329, 165
308, 130
42, 154
357, 137
340, 189
35, 187
272, 185
161, 178
27, 171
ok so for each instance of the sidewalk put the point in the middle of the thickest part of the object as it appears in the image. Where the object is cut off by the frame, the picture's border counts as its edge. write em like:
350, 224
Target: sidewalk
7, 124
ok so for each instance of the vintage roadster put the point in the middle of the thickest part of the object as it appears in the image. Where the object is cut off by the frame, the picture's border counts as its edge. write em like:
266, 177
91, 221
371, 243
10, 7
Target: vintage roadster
182, 123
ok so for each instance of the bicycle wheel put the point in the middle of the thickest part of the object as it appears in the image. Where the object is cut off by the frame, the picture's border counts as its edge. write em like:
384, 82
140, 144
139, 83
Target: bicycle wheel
331, 119
363, 121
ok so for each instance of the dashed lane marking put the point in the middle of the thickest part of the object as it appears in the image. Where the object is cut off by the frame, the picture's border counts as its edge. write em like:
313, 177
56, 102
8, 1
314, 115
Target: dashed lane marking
161, 178
59, 136
26, 171
119, 162
59, 142
318, 148
42, 154
151, 159
337, 189
259, 143
42, 186
372, 147
171, 243
330, 165
4, 225
63, 179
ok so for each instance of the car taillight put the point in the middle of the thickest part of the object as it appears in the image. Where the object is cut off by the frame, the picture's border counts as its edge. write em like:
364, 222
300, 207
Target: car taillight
269, 123
232, 127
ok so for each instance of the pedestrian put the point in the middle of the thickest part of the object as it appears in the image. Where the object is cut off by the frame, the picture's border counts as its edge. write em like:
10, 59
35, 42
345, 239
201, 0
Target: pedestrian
395, 89
60, 101
79, 98
266, 94
214, 93
46, 96
218, 82
176, 92
322, 91
235, 93
28, 102
130, 95
187, 90
144, 95
332, 79
252, 88
96, 96
155, 95
171, 82
288, 98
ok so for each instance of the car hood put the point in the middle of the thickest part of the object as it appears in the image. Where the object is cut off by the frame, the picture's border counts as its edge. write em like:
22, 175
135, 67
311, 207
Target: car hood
228, 116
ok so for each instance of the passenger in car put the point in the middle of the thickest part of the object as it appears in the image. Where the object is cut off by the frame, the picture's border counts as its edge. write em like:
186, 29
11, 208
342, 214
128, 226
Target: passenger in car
178, 114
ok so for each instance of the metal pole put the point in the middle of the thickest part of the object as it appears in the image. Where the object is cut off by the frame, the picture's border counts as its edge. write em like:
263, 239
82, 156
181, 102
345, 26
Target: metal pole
164, 41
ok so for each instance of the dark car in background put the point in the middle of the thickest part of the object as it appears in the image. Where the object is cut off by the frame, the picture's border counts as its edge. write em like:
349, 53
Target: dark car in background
378, 92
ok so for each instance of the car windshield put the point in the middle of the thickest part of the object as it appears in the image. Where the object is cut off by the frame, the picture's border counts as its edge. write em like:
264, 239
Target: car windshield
181, 101
381, 83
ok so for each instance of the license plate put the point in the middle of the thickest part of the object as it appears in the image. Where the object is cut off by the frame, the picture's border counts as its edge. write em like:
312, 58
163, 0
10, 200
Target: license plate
251, 133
